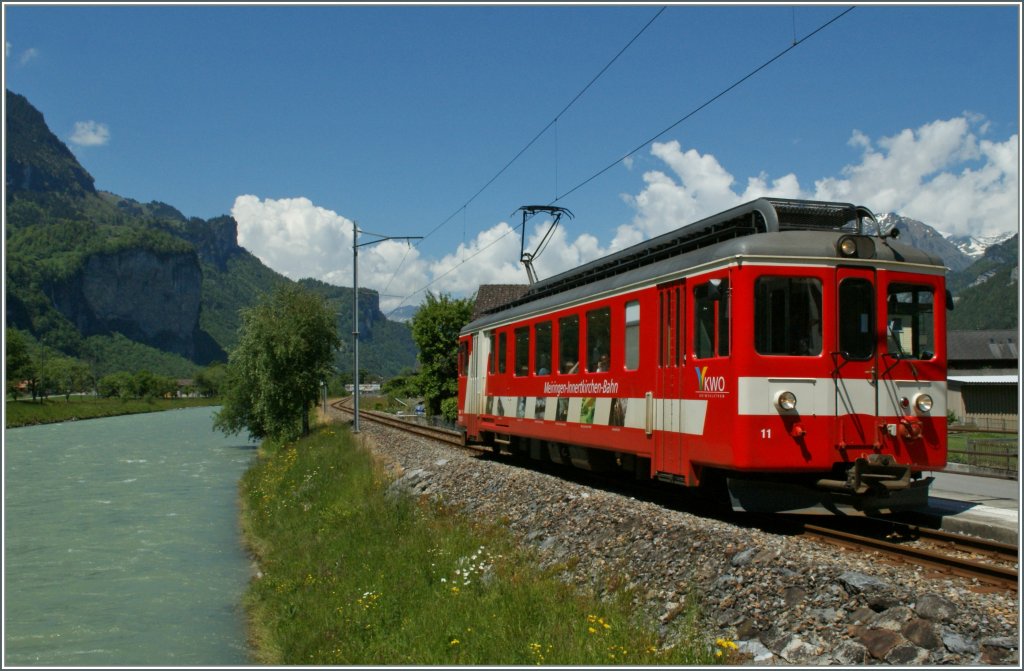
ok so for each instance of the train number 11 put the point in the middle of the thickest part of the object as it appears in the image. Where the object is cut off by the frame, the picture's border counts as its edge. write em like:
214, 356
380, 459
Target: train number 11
766, 434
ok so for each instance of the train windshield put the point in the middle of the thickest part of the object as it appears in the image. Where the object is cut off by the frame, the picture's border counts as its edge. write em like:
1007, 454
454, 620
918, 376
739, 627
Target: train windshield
910, 321
787, 316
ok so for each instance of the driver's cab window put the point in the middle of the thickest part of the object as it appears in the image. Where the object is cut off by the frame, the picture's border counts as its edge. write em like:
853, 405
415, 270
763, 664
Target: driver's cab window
910, 321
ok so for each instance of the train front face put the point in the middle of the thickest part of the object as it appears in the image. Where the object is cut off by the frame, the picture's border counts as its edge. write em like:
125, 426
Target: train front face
845, 384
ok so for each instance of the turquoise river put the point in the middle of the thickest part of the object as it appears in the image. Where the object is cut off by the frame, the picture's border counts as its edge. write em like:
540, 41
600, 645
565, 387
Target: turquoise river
122, 545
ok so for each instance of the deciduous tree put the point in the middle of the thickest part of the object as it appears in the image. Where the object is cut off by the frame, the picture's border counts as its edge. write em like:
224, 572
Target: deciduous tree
435, 329
286, 346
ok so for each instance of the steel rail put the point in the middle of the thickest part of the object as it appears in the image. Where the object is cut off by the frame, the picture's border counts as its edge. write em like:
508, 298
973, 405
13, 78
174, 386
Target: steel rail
1003, 576
444, 435
964, 543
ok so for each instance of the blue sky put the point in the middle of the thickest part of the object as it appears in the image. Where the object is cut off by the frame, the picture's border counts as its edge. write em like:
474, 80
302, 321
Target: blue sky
298, 120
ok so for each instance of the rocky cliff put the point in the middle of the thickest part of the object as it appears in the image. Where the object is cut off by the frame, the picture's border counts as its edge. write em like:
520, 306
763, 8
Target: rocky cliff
36, 159
150, 297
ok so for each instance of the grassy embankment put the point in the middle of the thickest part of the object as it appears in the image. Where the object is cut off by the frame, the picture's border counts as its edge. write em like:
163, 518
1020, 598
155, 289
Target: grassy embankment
351, 576
56, 409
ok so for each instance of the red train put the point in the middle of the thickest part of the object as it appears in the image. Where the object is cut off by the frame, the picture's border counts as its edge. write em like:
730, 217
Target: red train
787, 351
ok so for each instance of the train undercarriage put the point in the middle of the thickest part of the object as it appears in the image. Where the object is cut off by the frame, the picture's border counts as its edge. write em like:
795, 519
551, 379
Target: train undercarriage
874, 485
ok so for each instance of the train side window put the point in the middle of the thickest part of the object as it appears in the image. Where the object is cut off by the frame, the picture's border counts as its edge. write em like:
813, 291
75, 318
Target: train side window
787, 316
542, 345
910, 321
502, 351
464, 358
711, 319
856, 319
522, 353
599, 339
569, 344
632, 339
492, 352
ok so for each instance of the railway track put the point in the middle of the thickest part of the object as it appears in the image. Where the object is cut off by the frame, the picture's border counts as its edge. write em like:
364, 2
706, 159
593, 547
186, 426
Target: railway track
443, 435
990, 563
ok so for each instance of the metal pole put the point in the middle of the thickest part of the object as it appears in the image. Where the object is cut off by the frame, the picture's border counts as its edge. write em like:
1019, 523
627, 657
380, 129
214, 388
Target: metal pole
355, 311
355, 327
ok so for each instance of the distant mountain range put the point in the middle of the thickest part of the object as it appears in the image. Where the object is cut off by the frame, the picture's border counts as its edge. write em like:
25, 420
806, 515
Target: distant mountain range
125, 285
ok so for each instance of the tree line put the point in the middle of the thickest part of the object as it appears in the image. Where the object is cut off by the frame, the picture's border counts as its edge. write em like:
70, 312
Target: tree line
275, 374
37, 371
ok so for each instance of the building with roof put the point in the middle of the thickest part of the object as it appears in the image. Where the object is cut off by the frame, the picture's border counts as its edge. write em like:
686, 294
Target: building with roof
490, 296
983, 378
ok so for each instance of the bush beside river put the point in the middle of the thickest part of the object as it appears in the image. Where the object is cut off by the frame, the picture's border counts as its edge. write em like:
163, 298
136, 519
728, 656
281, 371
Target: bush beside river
350, 573
55, 409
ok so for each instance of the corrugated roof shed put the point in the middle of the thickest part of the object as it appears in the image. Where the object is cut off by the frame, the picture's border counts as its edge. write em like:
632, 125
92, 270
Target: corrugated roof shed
984, 379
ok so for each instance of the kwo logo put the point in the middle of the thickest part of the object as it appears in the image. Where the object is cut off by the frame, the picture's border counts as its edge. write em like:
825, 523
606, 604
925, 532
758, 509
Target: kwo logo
712, 384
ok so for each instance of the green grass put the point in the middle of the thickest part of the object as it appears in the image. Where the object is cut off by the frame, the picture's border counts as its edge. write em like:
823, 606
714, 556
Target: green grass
353, 577
56, 409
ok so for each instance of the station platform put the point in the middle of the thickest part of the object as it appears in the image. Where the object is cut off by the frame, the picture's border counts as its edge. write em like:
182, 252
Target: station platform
981, 506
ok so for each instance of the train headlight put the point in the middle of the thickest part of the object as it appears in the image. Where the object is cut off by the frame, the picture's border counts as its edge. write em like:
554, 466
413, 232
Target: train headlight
785, 400
848, 247
855, 247
923, 403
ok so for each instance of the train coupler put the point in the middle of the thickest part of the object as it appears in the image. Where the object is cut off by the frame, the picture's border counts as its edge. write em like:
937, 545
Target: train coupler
876, 472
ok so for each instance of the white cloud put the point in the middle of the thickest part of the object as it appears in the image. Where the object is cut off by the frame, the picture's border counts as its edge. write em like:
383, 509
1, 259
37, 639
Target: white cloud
295, 237
299, 239
90, 134
27, 55
940, 173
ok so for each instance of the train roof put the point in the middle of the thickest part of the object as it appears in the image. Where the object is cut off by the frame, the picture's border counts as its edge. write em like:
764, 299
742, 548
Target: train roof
802, 228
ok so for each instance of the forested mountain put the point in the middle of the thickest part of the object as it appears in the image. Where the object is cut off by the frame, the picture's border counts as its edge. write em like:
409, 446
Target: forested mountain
125, 285
987, 293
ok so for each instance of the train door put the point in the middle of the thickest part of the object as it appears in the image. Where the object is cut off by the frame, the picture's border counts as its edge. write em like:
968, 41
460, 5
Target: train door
465, 353
855, 358
476, 378
668, 447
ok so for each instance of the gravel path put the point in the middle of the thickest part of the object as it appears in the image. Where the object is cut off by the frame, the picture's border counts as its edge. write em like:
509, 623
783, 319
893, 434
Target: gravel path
783, 600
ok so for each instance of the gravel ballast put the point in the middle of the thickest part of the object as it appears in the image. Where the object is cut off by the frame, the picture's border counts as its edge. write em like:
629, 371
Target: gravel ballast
784, 600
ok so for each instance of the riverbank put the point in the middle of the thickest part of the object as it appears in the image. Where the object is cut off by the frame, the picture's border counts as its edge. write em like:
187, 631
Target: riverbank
27, 412
351, 571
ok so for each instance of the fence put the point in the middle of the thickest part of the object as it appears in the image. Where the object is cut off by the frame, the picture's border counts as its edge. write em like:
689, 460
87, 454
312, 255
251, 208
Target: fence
992, 456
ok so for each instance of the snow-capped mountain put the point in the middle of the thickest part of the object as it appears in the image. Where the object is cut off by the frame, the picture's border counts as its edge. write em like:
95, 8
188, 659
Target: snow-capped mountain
923, 236
975, 246
958, 251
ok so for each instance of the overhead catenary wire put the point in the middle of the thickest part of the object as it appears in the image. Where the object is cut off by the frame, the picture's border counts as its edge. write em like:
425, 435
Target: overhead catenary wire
709, 101
549, 124
529, 144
